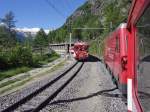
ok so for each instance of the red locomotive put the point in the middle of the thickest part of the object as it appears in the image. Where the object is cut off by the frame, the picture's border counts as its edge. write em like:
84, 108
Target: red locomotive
80, 50
115, 56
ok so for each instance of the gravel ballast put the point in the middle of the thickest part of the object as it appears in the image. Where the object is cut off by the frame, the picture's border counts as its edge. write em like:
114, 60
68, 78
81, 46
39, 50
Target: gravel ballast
92, 90
13, 97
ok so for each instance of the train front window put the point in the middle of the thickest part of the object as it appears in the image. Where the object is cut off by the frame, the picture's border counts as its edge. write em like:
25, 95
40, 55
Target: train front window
143, 34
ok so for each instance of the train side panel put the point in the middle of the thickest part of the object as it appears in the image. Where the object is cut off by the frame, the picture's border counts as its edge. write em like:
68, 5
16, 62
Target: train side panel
109, 52
123, 60
116, 56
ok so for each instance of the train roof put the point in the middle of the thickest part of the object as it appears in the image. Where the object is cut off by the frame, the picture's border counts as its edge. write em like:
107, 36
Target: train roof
137, 9
81, 43
122, 25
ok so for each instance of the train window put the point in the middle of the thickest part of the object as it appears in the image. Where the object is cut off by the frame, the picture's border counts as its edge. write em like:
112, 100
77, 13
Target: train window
117, 45
143, 28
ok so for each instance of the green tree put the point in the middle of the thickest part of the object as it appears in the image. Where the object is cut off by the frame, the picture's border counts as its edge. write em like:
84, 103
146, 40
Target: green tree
58, 35
41, 40
7, 38
6, 31
77, 34
113, 13
50, 37
3, 36
9, 19
21, 56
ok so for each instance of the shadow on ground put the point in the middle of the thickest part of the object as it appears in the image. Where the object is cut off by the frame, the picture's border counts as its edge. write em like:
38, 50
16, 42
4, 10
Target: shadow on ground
91, 58
102, 93
144, 95
146, 59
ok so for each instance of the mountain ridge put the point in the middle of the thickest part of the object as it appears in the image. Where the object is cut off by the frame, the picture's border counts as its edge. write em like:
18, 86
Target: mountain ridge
93, 14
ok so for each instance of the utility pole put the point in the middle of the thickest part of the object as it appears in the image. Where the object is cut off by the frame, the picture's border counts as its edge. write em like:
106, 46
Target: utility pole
70, 39
70, 34
111, 27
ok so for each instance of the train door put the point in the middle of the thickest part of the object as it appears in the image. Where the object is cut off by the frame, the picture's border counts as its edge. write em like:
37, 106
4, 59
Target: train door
143, 65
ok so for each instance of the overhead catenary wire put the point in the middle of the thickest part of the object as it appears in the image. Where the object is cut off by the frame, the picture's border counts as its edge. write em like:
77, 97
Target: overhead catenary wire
54, 8
66, 5
87, 28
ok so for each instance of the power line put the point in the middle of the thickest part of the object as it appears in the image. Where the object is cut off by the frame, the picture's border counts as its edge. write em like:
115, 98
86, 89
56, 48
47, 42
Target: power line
89, 28
53, 6
68, 4
65, 5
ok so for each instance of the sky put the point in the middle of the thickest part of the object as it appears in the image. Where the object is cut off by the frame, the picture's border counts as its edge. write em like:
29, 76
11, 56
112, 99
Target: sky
47, 14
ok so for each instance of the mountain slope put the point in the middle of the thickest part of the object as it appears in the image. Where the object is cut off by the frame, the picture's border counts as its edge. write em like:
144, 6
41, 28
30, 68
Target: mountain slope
93, 14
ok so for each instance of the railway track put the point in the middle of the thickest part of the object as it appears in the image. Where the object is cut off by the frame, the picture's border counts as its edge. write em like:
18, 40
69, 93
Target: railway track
41, 97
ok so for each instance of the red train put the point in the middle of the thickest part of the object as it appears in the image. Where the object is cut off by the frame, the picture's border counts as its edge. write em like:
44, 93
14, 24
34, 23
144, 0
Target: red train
127, 56
80, 50
115, 56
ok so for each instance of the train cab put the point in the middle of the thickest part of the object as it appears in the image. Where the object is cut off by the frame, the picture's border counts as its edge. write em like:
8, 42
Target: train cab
80, 50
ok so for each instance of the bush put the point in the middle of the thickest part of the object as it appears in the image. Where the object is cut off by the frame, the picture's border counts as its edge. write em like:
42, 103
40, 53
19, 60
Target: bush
17, 56
36, 59
4, 62
21, 56
54, 54
13, 71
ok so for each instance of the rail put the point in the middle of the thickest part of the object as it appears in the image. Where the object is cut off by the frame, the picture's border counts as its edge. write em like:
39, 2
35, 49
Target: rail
41, 89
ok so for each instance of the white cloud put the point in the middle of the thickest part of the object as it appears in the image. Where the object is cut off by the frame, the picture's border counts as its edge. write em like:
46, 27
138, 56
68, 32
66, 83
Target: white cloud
3, 24
32, 30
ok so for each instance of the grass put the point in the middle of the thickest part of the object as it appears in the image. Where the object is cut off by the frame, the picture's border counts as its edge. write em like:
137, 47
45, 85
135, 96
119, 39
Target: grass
54, 68
13, 71
17, 83
48, 60
12, 84
9, 82
57, 66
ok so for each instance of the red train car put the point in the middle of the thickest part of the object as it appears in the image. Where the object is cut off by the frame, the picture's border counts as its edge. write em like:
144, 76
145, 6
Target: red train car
138, 80
127, 55
115, 56
80, 50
